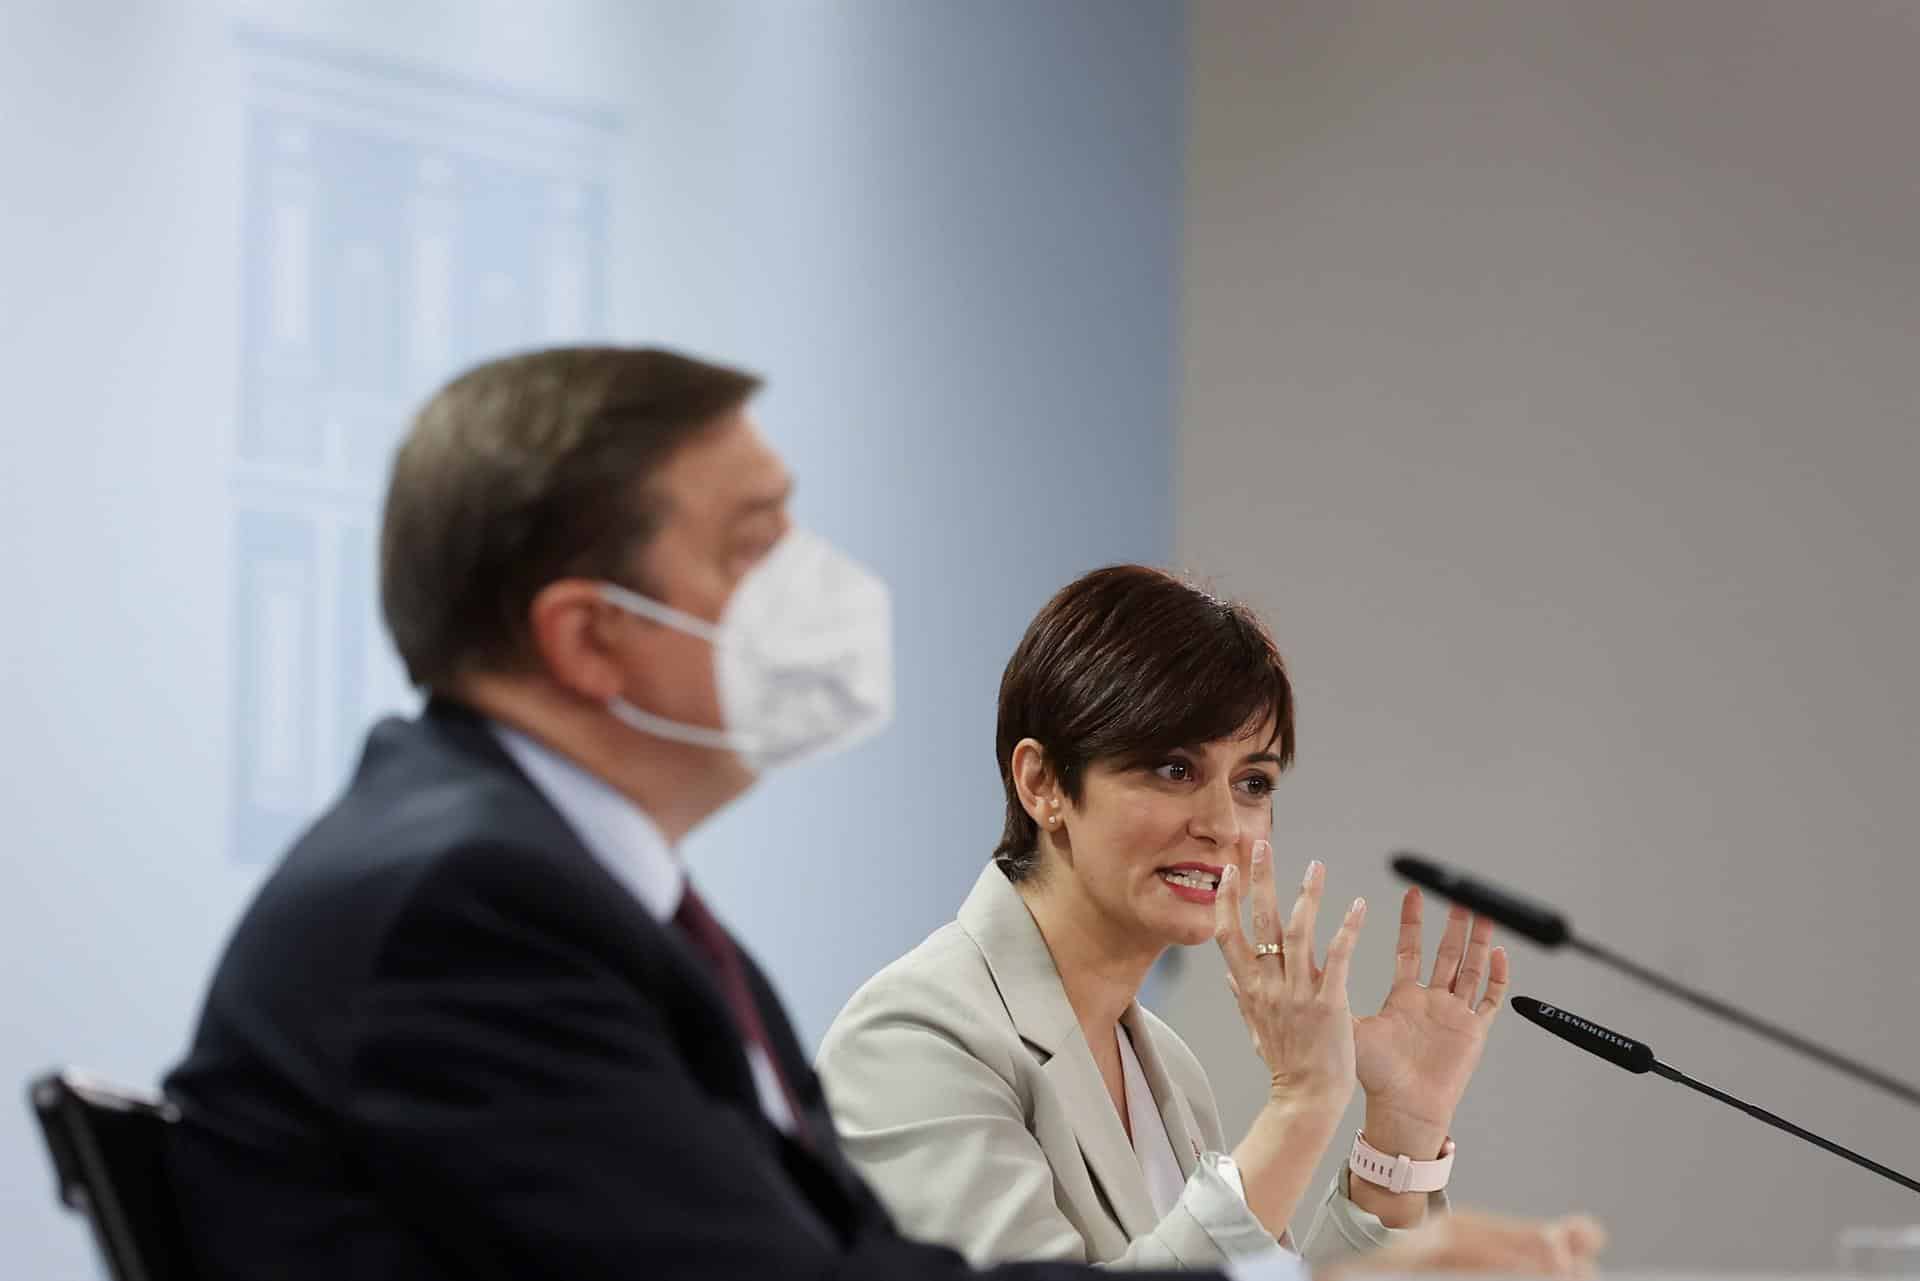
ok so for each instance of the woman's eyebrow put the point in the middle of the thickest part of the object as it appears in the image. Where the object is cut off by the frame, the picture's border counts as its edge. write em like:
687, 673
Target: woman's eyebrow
1266, 758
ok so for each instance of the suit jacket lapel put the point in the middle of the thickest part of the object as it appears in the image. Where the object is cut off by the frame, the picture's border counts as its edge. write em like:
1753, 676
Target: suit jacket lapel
1183, 1131
833, 1189
818, 1164
692, 977
798, 1073
1103, 1141
997, 920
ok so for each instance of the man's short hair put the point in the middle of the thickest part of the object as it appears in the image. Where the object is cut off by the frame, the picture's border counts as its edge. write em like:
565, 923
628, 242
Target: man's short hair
525, 470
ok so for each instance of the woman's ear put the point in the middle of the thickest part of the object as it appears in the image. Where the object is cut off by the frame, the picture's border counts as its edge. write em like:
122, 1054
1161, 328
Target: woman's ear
1037, 783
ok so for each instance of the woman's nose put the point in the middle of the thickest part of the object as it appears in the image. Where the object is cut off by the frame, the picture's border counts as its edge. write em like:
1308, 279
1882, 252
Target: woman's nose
1215, 818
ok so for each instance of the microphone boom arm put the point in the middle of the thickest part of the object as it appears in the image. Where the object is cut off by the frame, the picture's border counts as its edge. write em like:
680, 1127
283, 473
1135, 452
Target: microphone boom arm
1781, 1123
1547, 927
1752, 1023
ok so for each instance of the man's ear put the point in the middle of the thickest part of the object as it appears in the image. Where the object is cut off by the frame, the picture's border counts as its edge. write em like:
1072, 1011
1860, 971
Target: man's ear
576, 636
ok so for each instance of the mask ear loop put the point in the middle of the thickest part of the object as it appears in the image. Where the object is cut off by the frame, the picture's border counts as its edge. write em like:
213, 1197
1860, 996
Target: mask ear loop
634, 603
660, 727
648, 722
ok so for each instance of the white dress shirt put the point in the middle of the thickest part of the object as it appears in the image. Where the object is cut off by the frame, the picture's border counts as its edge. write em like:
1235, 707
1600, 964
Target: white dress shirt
631, 846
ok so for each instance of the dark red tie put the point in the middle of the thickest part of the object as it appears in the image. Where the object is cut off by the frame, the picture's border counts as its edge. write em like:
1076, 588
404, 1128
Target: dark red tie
711, 938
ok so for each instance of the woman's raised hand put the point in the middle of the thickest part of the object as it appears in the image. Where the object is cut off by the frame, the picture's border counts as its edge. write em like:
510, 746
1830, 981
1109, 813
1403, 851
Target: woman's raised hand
1418, 1053
1295, 1011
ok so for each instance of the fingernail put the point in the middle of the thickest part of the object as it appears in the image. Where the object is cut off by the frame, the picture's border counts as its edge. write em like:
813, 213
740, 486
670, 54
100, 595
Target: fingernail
1260, 851
1359, 906
1226, 876
1306, 882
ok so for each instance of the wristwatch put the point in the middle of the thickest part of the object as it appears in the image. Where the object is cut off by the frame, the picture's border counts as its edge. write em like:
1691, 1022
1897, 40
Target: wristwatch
1400, 1173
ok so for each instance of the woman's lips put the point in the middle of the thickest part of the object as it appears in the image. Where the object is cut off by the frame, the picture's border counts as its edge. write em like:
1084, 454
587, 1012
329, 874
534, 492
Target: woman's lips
1194, 882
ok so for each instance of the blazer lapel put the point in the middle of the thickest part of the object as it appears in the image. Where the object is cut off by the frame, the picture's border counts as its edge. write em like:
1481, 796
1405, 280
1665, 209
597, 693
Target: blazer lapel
1183, 1131
723, 1060
817, 1165
997, 920
1103, 1140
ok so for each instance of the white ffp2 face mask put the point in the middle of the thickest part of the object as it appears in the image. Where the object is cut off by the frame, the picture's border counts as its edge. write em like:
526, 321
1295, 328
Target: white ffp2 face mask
802, 656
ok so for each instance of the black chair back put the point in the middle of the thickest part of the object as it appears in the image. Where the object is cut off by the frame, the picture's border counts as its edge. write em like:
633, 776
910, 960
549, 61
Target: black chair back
109, 1147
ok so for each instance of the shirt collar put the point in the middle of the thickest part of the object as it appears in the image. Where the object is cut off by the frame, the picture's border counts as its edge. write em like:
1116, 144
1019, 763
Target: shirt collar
613, 828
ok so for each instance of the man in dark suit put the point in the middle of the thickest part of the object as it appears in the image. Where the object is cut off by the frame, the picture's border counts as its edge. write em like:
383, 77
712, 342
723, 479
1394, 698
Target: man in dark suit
476, 1023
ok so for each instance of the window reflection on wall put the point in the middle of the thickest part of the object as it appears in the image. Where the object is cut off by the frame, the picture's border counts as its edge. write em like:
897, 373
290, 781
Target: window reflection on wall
399, 226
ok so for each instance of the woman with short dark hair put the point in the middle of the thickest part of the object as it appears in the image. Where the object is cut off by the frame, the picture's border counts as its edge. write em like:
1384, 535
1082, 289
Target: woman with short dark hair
1001, 1086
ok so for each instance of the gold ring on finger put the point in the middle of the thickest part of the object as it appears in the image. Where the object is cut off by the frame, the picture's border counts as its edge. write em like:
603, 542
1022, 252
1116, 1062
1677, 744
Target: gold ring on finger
1266, 949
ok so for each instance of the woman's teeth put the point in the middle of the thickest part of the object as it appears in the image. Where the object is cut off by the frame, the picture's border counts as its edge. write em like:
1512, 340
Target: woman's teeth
1192, 880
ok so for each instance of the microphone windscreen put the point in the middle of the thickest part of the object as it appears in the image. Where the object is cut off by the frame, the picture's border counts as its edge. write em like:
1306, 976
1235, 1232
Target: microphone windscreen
1524, 917
1621, 1051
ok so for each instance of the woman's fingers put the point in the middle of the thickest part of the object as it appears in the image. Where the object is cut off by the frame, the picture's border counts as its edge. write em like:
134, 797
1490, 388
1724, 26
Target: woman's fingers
1226, 925
1473, 969
1265, 899
1298, 944
1406, 954
1496, 985
1446, 961
1340, 952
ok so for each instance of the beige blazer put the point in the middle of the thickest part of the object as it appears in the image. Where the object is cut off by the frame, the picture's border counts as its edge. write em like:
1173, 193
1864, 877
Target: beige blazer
964, 1091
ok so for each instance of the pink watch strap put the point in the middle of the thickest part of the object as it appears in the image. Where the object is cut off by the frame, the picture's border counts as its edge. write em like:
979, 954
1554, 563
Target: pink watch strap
1399, 1173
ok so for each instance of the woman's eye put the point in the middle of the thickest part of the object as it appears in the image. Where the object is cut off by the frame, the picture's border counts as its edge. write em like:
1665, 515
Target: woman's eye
1175, 771
1257, 785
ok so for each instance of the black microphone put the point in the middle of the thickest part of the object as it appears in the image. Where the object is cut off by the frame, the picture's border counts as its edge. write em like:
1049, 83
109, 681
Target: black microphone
1637, 1056
1531, 920
1549, 928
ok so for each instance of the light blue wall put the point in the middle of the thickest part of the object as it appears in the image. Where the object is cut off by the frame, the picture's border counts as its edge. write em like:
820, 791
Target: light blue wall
948, 232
